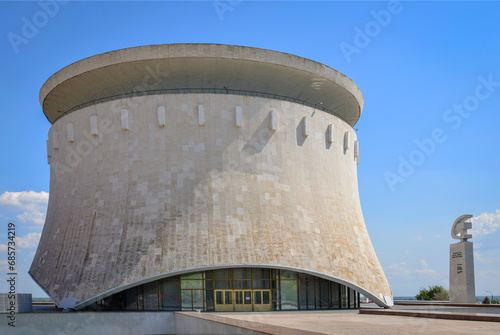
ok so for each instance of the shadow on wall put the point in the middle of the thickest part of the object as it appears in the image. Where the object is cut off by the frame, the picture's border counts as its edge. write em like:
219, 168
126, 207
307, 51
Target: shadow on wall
260, 138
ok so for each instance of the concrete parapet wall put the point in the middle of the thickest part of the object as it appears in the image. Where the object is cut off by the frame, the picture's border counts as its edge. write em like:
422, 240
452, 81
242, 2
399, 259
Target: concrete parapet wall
84, 323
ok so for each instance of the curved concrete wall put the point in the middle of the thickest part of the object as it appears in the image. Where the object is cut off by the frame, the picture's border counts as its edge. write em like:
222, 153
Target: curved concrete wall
148, 200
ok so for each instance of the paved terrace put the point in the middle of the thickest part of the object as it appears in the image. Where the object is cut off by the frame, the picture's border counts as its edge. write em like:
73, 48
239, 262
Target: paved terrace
48, 320
345, 322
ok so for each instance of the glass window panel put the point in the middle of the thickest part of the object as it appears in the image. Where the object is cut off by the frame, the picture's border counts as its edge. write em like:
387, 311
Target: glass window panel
261, 284
261, 274
310, 299
123, 300
197, 299
197, 275
275, 274
170, 295
196, 284
275, 284
303, 299
285, 274
343, 296
265, 297
131, 298
150, 297
248, 297
209, 300
242, 273
305, 276
223, 284
187, 304
289, 296
109, 303
140, 298
322, 295
242, 284
303, 285
209, 274
258, 297
227, 297
238, 297
209, 284
352, 298
222, 274
334, 295
218, 298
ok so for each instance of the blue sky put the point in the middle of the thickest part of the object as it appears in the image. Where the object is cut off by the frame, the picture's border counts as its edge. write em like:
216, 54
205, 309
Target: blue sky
429, 139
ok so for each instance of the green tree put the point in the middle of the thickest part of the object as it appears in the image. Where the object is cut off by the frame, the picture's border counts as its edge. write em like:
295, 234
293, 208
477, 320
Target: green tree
436, 292
486, 300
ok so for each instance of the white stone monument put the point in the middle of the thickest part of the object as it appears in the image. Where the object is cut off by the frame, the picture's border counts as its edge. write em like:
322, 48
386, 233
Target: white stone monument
462, 286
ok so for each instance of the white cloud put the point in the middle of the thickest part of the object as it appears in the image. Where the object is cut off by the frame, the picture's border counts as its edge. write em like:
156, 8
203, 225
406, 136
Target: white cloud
400, 269
25, 199
427, 272
419, 238
397, 269
487, 257
33, 204
36, 217
485, 223
28, 241
4, 265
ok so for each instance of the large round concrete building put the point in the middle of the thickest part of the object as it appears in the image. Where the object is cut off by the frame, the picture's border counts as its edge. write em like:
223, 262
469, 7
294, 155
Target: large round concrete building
204, 176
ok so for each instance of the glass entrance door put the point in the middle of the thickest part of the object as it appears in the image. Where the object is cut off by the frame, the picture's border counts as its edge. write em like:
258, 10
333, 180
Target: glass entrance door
224, 301
262, 300
243, 300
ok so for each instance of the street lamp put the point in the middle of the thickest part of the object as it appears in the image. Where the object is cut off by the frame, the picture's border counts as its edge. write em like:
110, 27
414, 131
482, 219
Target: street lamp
491, 295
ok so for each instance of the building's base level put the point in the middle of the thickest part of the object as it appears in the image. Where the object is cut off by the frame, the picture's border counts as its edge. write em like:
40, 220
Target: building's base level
238, 289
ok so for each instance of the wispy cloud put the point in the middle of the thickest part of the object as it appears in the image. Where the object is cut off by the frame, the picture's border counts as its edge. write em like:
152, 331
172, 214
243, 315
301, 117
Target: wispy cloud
487, 257
28, 241
4, 265
486, 223
33, 204
401, 269
426, 272
397, 269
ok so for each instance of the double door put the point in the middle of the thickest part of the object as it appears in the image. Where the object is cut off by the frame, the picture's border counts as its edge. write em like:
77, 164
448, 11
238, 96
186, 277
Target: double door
242, 300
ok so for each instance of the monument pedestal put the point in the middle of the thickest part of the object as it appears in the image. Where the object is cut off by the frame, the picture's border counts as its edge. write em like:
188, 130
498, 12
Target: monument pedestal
462, 285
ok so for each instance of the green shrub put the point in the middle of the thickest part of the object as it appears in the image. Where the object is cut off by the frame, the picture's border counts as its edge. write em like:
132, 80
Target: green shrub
436, 292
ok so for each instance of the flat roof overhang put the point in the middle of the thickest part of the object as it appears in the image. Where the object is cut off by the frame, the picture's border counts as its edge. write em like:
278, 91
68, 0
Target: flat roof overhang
174, 68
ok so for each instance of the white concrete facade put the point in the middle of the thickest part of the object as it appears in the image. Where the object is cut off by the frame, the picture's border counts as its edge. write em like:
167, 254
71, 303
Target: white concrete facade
150, 184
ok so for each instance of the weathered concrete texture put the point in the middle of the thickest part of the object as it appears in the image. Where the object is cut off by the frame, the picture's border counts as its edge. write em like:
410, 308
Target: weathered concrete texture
132, 200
